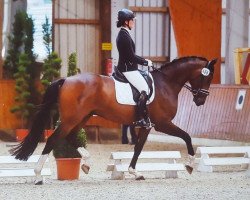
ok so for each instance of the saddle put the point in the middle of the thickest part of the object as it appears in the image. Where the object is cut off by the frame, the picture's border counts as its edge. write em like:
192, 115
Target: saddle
118, 76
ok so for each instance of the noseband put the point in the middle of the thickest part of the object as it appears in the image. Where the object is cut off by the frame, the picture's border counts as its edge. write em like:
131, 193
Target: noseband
197, 92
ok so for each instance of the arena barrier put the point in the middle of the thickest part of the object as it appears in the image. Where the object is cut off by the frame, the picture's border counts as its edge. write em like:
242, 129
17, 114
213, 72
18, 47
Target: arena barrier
224, 116
170, 167
22, 168
236, 155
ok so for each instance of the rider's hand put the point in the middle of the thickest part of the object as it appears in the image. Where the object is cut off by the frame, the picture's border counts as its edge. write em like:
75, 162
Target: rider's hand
150, 63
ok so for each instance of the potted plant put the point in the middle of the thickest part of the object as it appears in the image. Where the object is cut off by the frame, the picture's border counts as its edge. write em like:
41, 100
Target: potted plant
50, 71
68, 158
23, 107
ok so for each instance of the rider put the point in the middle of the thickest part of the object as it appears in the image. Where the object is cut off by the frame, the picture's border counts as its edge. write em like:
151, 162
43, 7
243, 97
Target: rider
128, 64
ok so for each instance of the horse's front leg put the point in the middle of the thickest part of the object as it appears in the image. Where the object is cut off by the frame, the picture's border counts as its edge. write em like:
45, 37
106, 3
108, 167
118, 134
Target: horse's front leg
85, 156
171, 129
143, 134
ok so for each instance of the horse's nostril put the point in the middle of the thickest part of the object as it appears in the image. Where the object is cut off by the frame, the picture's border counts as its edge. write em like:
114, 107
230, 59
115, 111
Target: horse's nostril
198, 101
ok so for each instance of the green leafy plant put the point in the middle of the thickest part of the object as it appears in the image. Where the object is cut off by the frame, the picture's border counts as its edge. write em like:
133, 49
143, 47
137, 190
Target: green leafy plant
23, 106
72, 65
15, 45
51, 69
64, 149
20, 65
52, 64
20, 41
29, 45
47, 35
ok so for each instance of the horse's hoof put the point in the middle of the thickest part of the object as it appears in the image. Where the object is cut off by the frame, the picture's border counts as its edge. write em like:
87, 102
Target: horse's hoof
189, 169
39, 182
85, 168
140, 178
131, 171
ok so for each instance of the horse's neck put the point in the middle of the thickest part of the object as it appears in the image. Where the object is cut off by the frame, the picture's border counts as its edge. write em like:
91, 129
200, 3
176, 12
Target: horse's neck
177, 76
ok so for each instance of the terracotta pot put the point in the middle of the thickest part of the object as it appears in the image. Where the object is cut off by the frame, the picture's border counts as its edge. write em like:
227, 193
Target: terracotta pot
21, 134
68, 168
48, 133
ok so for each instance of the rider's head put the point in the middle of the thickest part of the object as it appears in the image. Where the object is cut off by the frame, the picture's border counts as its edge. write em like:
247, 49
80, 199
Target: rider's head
125, 18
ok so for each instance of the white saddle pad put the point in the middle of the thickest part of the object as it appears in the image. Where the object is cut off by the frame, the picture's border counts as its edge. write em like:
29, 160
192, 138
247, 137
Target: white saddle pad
124, 93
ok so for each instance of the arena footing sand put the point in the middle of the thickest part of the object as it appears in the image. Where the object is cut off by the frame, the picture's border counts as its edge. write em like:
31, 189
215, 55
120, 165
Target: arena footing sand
224, 183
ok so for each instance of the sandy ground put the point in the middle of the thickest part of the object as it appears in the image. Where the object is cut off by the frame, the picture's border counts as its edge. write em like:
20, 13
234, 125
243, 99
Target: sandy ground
224, 183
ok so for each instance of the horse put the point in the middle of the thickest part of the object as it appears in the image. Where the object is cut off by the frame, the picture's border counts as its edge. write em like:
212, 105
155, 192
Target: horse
83, 95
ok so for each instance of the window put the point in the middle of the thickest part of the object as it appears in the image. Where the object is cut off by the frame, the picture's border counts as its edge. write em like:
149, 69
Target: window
39, 9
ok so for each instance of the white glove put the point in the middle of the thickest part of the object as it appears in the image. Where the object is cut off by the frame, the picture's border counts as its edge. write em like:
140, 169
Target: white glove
150, 63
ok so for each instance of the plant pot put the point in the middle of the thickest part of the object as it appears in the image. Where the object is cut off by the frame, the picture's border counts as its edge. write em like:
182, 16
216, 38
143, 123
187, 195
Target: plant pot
68, 168
48, 133
21, 134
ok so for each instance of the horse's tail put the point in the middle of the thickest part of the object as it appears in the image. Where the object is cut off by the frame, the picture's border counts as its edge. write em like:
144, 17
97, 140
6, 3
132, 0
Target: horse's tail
26, 148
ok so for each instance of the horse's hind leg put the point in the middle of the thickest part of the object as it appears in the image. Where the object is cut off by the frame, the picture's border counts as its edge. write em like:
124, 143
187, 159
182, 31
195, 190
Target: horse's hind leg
47, 149
142, 137
39, 179
171, 129
71, 138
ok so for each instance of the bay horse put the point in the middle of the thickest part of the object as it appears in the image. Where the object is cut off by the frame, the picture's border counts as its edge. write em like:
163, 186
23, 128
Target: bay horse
83, 95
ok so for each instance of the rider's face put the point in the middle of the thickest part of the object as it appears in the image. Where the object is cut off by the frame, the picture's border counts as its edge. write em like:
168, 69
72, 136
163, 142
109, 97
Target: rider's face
130, 23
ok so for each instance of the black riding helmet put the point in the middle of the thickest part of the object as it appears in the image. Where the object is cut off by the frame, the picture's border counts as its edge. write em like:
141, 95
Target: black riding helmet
124, 15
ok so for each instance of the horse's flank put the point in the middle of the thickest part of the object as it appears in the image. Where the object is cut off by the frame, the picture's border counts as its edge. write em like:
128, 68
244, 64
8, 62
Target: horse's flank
96, 93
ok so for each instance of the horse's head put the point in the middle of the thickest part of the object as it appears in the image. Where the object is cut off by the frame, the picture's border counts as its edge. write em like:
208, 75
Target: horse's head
201, 82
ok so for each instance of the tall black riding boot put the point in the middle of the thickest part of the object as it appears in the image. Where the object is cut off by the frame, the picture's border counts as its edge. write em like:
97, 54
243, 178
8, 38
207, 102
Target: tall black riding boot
143, 112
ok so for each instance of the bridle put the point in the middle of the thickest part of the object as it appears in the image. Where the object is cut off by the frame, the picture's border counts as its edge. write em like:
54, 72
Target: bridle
195, 92
205, 72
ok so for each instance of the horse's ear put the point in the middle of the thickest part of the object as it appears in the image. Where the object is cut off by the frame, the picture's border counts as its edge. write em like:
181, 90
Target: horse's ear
212, 62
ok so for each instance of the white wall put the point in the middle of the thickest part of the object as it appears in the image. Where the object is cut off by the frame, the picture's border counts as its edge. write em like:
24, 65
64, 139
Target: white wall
151, 32
10, 9
116, 5
38, 10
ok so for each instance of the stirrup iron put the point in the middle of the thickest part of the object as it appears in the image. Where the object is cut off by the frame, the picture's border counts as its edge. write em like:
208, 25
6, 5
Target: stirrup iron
144, 123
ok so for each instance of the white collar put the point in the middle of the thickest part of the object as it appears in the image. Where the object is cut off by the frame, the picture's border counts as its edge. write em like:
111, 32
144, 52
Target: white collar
126, 29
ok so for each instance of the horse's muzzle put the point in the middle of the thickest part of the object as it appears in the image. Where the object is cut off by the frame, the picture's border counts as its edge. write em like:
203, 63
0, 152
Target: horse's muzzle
199, 101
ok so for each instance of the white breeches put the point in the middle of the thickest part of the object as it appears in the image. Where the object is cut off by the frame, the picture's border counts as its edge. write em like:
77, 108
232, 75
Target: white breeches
136, 79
